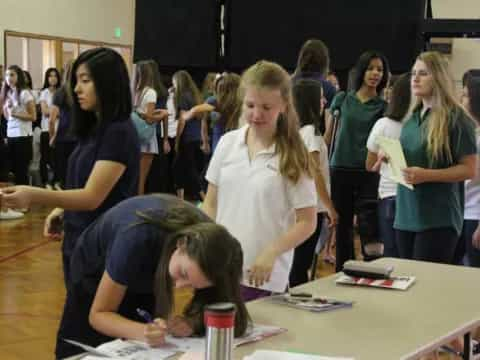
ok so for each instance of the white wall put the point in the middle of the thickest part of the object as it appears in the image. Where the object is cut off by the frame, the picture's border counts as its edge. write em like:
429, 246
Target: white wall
93, 20
465, 52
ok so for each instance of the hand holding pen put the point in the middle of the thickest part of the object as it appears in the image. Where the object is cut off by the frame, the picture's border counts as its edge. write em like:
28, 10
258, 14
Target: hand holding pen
155, 330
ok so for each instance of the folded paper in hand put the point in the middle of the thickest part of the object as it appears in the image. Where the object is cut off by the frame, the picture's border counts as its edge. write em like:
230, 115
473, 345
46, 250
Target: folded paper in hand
396, 160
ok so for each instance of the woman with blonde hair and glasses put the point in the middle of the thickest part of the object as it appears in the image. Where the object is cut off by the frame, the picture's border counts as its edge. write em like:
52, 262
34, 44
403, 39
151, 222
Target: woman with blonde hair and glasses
261, 181
440, 150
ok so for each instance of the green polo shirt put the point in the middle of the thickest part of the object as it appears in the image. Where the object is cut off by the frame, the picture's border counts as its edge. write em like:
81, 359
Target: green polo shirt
433, 205
356, 121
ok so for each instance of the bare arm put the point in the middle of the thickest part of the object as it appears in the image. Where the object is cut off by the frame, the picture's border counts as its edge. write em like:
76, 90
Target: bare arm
209, 205
371, 161
29, 115
305, 224
104, 176
328, 127
104, 317
148, 115
54, 111
464, 170
44, 107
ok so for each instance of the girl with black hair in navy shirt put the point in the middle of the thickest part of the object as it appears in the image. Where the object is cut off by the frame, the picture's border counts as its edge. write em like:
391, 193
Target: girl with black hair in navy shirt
100, 172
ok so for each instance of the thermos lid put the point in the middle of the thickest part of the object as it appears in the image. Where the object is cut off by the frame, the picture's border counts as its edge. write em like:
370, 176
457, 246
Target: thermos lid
223, 307
220, 315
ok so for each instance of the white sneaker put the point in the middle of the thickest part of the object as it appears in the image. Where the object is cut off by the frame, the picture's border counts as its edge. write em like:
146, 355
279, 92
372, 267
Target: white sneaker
10, 215
57, 186
48, 187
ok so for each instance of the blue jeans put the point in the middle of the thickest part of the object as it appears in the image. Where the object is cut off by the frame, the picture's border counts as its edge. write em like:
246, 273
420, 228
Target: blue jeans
386, 217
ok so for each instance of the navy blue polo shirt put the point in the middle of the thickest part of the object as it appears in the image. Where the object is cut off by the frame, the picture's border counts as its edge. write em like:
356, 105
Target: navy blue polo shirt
64, 116
118, 142
123, 244
192, 130
329, 90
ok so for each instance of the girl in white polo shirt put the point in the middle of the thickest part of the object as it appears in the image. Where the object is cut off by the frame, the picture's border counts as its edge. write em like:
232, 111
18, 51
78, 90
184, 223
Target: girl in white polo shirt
19, 110
261, 185
50, 85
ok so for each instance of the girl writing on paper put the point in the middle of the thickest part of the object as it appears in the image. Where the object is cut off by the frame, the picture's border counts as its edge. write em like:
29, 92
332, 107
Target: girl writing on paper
132, 257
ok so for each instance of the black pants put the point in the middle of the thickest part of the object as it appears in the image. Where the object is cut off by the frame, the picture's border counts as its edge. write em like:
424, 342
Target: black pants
465, 246
160, 176
433, 245
4, 163
187, 168
20, 154
303, 256
62, 152
354, 191
74, 324
386, 218
45, 156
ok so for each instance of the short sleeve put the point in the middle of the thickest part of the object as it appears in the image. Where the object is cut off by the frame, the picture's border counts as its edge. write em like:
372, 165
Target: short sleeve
150, 96
377, 130
215, 165
463, 137
126, 255
118, 132
303, 194
211, 100
43, 96
312, 141
337, 101
26, 96
186, 102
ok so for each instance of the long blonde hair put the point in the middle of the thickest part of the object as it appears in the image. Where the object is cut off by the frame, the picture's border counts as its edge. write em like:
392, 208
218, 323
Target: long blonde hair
444, 102
294, 157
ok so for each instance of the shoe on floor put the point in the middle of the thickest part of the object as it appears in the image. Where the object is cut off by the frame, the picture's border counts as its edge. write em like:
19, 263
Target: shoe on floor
10, 214
57, 186
48, 187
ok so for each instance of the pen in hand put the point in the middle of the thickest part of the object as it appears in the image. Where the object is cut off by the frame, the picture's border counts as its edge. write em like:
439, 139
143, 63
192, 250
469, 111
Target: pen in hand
155, 330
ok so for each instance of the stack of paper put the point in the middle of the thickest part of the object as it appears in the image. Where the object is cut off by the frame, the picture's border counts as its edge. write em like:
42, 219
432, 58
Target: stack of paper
310, 302
394, 282
280, 355
136, 350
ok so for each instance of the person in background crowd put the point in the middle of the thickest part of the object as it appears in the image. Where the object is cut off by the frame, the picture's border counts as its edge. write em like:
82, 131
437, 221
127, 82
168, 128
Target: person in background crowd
50, 85
469, 244
354, 190
389, 126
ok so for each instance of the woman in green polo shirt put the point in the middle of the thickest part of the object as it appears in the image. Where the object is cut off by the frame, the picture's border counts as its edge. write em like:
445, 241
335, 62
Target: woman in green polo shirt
440, 149
352, 186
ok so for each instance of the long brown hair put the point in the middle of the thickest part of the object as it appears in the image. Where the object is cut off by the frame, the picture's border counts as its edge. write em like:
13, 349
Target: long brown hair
218, 254
294, 157
229, 103
143, 78
444, 102
185, 85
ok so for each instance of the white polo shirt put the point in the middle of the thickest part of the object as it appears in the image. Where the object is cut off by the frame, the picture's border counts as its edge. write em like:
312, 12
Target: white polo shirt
46, 96
315, 143
391, 129
255, 202
17, 127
